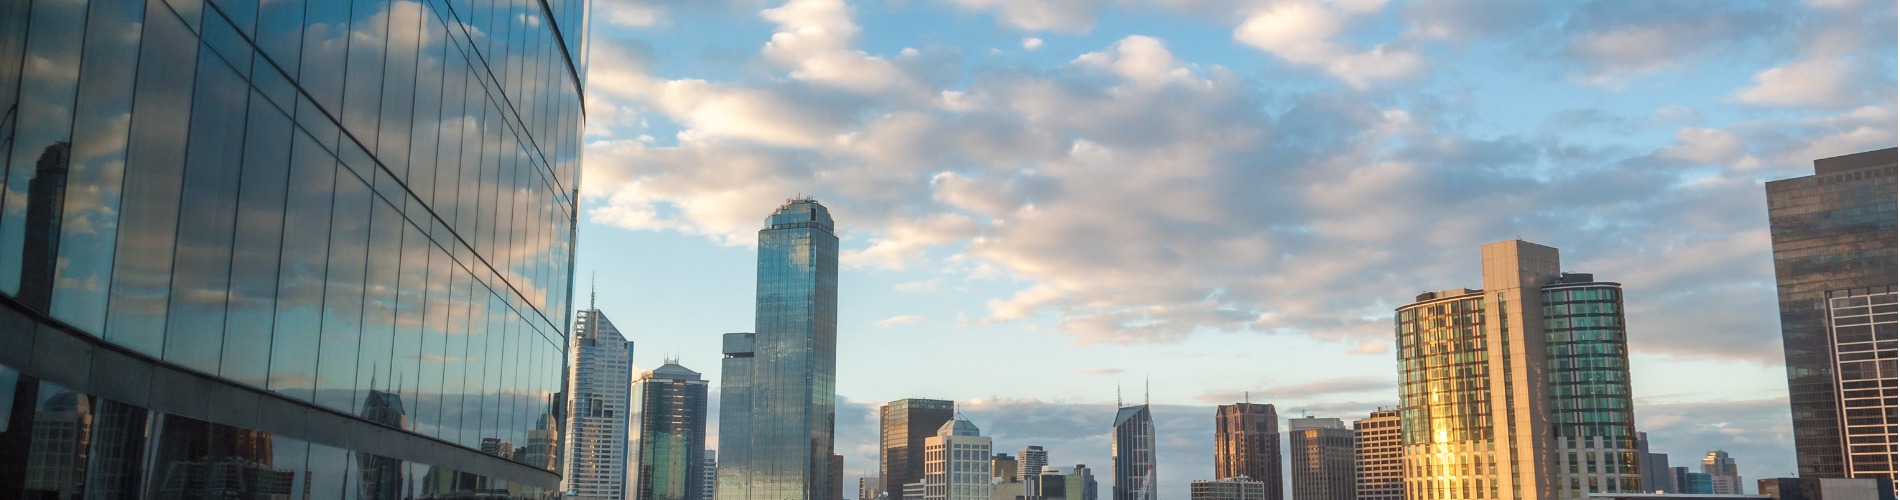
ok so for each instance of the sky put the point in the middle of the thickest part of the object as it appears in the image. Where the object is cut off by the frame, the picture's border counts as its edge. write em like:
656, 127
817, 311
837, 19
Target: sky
1042, 202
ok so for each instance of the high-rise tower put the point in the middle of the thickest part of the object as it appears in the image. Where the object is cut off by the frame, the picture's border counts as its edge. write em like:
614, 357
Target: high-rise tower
1133, 454
600, 372
1834, 240
956, 463
904, 424
1029, 461
1377, 457
1494, 381
241, 232
669, 405
778, 383
1247, 443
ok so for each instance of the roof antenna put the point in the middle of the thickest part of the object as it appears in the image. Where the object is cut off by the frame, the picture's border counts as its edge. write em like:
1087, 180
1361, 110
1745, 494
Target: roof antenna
593, 282
1144, 391
1246, 397
1118, 395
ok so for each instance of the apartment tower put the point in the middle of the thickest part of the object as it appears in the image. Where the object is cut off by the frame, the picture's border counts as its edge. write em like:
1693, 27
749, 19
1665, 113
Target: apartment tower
669, 445
1518, 390
1834, 246
1320, 453
1378, 459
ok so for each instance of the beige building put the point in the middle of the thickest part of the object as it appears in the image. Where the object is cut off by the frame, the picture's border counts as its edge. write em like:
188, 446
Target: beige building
1378, 460
957, 463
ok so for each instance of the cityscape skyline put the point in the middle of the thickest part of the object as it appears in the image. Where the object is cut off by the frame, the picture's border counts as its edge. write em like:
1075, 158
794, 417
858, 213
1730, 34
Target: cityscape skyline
1061, 195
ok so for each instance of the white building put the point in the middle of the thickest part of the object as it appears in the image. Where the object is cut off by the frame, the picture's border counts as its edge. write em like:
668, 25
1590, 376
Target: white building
600, 382
957, 463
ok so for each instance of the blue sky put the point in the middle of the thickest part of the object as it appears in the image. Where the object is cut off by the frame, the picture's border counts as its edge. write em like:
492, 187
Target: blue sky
1039, 200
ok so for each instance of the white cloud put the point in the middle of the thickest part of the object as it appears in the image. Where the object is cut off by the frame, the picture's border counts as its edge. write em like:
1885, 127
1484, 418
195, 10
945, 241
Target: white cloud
1811, 82
1032, 43
1302, 32
900, 320
1066, 16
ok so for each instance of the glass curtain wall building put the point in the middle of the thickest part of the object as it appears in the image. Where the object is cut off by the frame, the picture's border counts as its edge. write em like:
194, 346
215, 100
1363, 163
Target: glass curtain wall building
1319, 457
1834, 240
1517, 390
778, 385
904, 424
669, 446
1132, 453
318, 248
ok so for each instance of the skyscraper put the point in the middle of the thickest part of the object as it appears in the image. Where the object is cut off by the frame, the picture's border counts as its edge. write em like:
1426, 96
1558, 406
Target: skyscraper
1723, 479
1132, 451
1081, 483
778, 384
669, 405
599, 407
1029, 461
903, 425
1834, 241
956, 463
1654, 468
1320, 453
1247, 444
225, 226
1378, 459
1494, 381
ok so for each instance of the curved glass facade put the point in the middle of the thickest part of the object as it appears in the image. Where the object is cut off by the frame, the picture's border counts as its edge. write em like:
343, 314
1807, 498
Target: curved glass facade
360, 209
1587, 354
1445, 397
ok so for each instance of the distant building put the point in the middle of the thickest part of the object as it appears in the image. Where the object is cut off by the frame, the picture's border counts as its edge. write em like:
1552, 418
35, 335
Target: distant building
956, 463
1378, 459
914, 489
669, 447
1003, 469
1320, 453
1048, 484
1132, 451
1835, 246
1723, 480
1693, 483
599, 377
1029, 461
837, 477
903, 425
1234, 488
1081, 483
1247, 444
869, 487
1818, 488
1012, 490
1654, 468
709, 475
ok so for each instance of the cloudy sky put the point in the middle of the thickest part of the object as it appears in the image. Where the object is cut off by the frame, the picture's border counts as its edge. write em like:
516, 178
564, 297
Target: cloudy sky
1042, 200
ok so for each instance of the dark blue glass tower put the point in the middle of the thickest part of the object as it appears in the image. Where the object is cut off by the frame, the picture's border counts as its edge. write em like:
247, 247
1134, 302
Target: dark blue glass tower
779, 382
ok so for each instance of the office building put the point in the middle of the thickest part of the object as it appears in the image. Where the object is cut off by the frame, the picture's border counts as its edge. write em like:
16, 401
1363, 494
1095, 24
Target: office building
1519, 390
837, 477
225, 225
778, 383
1012, 490
956, 463
903, 425
870, 487
1048, 484
1030, 460
709, 476
1829, 488
1132, 451
600, 373
1834, 246
1378, 459
669, 445
1723, 479
1654, 467
1003, 469
1247, 444
1234, 488
1081, 483
1320, 459
914, 489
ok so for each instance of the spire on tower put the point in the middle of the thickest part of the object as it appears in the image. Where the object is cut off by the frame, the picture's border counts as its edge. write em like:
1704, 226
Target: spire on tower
1144, 391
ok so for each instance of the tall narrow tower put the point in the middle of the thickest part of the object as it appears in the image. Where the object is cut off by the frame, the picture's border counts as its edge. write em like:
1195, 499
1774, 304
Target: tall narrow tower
1133, 453
669, 446
904, 424
600, 378
777, 393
